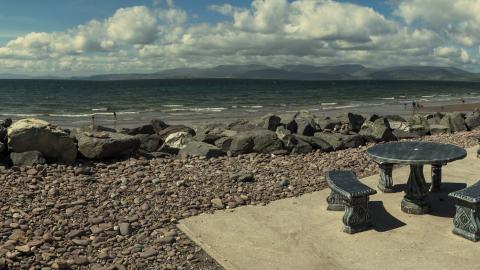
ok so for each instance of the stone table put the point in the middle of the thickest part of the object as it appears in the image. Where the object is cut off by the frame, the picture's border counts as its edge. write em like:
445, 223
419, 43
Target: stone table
416, 154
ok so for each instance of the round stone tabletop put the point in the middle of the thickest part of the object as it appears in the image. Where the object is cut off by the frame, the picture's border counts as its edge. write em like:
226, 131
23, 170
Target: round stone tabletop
414, 152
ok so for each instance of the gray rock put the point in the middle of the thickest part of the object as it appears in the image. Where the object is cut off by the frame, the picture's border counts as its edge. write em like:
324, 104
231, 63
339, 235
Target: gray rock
454, 121
439, 129
341, 141
200, 149
6, 123
242, 177
434, 118
242, 125
269, 121
418, 124
378, 131
473, 120
224, 143
394, 118
2, 147
328, 123
125, 228
281, 132
3, 134
316, 142
295, 145
401, 135
149, 142
206, 138
35, 134
354, 121
158, 125
306, 123
145, 129
105, 145
259, 141
29, 158
419, 130
212, 129
164, 133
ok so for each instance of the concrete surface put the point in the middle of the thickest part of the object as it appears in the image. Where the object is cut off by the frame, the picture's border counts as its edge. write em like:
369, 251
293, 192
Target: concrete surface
298, 233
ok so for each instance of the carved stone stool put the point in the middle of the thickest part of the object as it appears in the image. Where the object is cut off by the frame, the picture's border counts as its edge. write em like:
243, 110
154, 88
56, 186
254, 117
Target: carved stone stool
466, 222
352, 196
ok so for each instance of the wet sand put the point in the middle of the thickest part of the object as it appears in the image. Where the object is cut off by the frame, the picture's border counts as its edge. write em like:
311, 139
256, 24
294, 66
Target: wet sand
462, 107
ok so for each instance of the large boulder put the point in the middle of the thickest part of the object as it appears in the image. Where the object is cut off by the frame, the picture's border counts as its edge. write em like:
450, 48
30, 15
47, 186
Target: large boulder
454, 121
149, 142
377, 131
164, 133
206, 138
306, 123
211, 129
158, 125
200, 149
35, 134
472, 120
145, 129
224, 143
418, 124
401, 134
434, 118
327, 123
316, 143
296, 145
397, 122
259, 141
269, 121
341, 141
282, 132
439, 129
29, 158
242, 125
354, 121
177, 140
105, 145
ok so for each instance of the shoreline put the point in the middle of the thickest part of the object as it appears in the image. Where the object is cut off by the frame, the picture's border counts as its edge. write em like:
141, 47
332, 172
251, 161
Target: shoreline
130, 120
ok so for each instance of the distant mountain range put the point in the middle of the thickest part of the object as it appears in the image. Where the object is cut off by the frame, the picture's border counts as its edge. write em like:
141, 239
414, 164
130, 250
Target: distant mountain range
289, 72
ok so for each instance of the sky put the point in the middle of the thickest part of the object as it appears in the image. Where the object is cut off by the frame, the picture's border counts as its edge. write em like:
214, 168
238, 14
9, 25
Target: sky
84, 37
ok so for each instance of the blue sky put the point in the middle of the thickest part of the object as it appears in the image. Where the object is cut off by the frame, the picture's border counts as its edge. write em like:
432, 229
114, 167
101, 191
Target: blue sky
86, 36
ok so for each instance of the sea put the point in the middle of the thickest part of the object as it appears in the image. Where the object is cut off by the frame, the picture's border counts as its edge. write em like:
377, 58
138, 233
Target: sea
73, 103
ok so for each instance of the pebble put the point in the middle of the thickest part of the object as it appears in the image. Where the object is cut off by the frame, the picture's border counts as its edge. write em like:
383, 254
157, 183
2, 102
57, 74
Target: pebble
148, 253
217, 203
124, 228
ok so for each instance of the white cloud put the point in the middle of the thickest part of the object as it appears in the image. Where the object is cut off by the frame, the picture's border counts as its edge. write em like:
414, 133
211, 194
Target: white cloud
272, 32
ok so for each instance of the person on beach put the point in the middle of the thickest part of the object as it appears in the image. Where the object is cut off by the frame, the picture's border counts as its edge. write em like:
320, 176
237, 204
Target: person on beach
405, 106
93, 121
114, 120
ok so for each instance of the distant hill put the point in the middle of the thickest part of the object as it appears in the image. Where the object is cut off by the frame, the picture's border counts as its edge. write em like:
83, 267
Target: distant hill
304, 72
289, 72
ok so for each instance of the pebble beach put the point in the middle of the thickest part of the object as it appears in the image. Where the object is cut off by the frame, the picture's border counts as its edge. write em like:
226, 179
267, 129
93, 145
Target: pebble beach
122, 214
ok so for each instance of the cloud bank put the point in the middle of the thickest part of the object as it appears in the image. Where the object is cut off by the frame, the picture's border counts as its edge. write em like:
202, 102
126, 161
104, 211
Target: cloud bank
272, 32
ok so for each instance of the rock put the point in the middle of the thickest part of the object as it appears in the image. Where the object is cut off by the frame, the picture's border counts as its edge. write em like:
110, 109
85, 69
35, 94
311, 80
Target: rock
147, 253
283, 183
29, 158
83, 170
401, 135
341, 141
306, 123
400, 126
23, 249
149, 142
472, 120
242, 177
166, 132
418, 124
378, 131
270, 122
35, 134
200, 149
6, 123
223, 143
354, 121
328, 123
158, 125
281, 132
242, 125
3, 134
454, 121
439, 129
105, 145
124, 228
145, 129
296, 145
316, 142
394, 118
434, 118
288, 121
217, 203
2, 147
212, 129
178, 140
258, 141
206, 138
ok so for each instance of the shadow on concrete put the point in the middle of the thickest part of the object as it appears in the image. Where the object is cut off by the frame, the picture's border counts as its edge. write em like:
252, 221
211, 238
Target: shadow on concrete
382, 220
442, 205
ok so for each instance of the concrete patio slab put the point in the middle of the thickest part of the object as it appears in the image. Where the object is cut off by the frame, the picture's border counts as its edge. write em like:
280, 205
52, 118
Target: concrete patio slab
298, 233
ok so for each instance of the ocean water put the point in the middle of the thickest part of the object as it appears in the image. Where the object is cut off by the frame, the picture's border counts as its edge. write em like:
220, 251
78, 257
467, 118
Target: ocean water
72, 103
